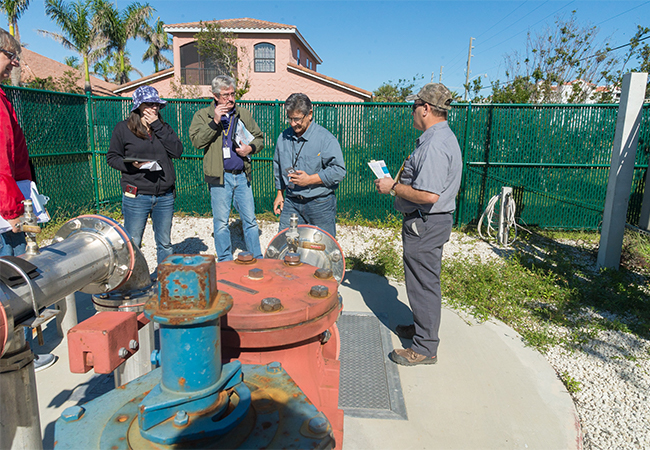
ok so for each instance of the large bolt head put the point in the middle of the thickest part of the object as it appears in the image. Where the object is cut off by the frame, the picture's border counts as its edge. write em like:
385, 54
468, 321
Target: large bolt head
323, 274
292, 258
245, 257
256, 274
319, 291
318, 424
72, 413
270, 304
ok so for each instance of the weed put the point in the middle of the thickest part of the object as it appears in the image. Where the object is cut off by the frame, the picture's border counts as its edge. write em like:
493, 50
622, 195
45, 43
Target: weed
572, 385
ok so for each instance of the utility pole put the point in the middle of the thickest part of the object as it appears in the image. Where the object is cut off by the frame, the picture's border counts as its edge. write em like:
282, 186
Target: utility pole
440, 79
432, 76
469, 58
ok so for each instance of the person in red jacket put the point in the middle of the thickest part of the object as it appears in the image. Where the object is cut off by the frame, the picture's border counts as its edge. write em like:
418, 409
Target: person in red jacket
14, 158
14, 166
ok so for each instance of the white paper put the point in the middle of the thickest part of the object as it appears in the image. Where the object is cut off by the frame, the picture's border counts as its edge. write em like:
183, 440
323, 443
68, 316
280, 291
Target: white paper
152, 166
29, 190
379, 168
242, 135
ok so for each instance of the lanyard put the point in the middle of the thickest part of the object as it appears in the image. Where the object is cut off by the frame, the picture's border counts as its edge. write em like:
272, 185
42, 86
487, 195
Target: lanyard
293, 142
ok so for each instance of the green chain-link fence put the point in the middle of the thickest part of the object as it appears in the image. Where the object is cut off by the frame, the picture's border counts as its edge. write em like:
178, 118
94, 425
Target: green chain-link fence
556, 157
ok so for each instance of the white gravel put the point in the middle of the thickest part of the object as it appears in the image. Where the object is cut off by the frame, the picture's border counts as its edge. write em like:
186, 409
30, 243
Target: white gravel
613, 370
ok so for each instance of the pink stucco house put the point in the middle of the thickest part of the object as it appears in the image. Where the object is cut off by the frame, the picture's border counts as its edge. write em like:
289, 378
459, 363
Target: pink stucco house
275, 58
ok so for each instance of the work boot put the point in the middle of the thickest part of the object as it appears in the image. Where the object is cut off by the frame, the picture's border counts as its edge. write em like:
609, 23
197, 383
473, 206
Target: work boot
43, 361
408, 357
405, 331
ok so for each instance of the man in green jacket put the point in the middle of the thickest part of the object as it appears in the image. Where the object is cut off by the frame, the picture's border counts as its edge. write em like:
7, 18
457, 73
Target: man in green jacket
228, 135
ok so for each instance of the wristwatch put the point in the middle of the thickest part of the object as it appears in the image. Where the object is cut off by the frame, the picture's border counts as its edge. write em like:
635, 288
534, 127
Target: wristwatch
392, 189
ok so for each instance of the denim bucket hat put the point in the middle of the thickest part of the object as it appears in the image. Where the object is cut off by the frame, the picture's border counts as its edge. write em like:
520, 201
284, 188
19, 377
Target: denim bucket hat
146, 94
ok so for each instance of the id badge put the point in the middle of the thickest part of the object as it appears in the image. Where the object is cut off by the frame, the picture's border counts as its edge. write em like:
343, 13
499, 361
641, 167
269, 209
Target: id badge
226, 152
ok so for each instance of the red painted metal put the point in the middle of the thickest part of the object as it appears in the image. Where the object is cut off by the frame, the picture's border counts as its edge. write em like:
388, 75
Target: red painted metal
97, 341
293, 333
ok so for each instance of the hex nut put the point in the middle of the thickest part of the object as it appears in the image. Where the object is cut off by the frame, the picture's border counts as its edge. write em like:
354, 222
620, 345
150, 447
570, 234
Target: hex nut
72, 413
245, 257
256, 274
323, 274
292, 258
270, 304
182, 418
319, 291
274, 367
123, 353
133, 344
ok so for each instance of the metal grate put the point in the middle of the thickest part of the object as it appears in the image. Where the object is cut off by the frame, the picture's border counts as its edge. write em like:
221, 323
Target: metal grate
370, 385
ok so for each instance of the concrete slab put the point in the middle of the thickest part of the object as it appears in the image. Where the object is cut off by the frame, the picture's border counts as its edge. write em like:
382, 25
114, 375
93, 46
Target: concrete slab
488, 391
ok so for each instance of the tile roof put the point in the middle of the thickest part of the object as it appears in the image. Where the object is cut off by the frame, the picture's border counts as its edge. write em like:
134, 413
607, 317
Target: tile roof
144, 80
245, 22
329, 80
35, 65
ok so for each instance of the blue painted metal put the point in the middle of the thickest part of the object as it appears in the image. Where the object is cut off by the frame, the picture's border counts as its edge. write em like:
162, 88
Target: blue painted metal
192, 399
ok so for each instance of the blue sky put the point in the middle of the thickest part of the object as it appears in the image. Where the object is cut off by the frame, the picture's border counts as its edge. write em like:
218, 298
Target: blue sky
366, 43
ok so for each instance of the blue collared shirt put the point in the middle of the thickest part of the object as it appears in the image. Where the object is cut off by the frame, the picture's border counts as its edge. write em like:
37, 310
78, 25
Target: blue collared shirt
316, 152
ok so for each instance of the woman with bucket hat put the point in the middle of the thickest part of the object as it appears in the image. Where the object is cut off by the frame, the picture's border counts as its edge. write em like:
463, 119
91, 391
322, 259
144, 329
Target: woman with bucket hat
142, 148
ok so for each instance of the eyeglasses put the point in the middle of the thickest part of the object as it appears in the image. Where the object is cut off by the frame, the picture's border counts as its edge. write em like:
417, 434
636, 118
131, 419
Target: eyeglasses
417, 105
12, 56
227, 95
296, 119
151, 104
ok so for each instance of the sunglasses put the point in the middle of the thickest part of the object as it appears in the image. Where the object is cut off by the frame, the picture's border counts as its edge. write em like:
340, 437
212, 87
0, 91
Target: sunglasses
12, 56
417, 105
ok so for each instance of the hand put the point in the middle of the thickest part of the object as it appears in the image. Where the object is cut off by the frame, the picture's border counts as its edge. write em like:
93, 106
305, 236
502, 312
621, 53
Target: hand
300, 178
15, 224
384, 185
244, 150
138, 164
220, 111
149, 116
278, 204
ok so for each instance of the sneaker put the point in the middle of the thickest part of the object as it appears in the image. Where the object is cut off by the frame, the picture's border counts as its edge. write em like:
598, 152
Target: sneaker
405, 331
43, 361
407, 357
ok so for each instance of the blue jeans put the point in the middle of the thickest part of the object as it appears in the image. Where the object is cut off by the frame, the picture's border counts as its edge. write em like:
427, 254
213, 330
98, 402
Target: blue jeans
319, 211
136, 211
12, 244
235, 190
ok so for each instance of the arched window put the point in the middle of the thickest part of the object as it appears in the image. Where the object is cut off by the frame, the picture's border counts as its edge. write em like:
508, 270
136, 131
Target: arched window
264, 57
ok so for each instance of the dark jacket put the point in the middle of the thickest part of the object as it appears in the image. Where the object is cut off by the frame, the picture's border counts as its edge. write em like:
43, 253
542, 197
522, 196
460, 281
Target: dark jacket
208, 136
161, 146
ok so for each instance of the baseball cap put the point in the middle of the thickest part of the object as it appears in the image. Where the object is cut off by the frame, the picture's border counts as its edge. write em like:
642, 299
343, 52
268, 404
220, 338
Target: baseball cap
435, 94
146, 94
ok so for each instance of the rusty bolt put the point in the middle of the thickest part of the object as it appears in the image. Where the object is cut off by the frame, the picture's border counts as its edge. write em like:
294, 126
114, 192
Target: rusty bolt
72, 413
323, 274
245, 257
271, 304
133, 344
181, 418
256, 274
274, 367
122, 353
292, 258
319, 291
318, 424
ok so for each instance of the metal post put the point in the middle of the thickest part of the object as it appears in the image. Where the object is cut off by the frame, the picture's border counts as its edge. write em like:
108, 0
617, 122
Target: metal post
502, 236
626, 139
68, 317
644, 219
20, 425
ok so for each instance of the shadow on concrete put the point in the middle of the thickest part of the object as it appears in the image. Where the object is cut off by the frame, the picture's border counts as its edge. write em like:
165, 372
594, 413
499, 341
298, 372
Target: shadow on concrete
381, 297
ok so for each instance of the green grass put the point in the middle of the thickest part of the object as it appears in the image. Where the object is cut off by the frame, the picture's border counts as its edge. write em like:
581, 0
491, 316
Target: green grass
546, 288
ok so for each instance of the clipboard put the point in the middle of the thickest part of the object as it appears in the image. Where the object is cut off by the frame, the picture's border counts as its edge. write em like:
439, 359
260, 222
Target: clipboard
132, 159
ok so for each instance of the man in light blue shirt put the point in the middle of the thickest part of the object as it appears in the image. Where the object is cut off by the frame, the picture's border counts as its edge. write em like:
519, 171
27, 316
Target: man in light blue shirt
308, 167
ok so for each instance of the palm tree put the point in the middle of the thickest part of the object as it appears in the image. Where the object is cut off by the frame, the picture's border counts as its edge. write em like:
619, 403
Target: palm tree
109, 68
118, 27
14, 9
81, 31
158, 41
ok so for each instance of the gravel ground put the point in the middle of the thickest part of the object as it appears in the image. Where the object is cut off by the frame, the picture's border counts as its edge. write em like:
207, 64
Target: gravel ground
613, 369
